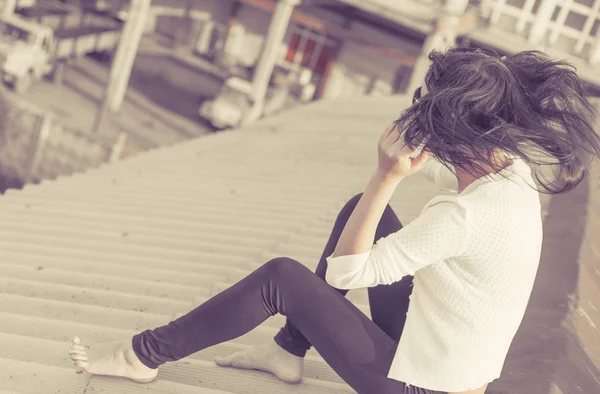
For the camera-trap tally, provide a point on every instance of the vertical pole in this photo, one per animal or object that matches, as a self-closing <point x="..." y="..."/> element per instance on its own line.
<point x="594" y="57"/>
<point x="118" y="147"/>
<point x="122" y="64"/>
<point x="202" y="44"/>
<point x="127" y="50"/>
<point x="42" y="131"/>
<point x="442" y="36"/>
<point x="224" y="55"/>
<point x="268" y="57"/>
<point x="100" y="114"/>
<point x="540" y="23"/>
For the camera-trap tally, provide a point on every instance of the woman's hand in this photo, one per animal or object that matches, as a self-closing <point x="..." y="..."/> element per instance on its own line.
<point x="394" y="161"/>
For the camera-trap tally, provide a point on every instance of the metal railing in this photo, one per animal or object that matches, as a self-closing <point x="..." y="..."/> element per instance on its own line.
<point x="567" y="26"/>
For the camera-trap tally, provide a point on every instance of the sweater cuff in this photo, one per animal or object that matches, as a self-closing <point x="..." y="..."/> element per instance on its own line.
<point x="341" y="269"/>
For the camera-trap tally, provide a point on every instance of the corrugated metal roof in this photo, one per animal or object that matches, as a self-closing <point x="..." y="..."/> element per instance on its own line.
<point x="132" y="245"/>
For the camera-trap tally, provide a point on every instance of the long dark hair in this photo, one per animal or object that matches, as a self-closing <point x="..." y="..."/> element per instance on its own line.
<point x="526" y="105"/>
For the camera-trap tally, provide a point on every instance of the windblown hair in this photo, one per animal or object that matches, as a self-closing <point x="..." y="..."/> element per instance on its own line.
<point x="525" y="105"/>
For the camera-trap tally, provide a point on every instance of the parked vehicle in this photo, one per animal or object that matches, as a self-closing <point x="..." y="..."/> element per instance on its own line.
<point x="227" y="109"/>
<point x="30" y="50"/>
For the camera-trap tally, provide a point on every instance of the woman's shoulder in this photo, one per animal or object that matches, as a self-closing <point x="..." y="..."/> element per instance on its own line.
<point x="487" y="200"/>
<point x="450" y="204"/>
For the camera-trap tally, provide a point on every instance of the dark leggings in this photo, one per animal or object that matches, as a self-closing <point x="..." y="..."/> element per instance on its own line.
<point x="360" y="350"/>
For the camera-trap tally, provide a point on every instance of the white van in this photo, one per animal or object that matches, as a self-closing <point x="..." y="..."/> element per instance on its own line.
<point x="234" y="99"/>
<point x="227" y="109"/>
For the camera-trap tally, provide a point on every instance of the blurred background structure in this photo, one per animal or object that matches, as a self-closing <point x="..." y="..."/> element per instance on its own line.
<point x="195" y="94"/>
<point x="164" y="71"/>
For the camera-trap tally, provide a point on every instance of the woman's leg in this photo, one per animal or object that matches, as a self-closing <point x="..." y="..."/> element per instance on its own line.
<point x="358" y="350"/>
<point x="283" y="357"/>
<point x="389" y="316"/>
<point x="283" y="286"/>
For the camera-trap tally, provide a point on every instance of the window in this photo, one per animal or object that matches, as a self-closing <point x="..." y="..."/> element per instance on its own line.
<point x="309" y="49"/>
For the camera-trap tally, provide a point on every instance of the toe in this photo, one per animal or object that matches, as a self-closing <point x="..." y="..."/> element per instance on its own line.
<point x="83" y="365"/>
<point x="79" y="357"/>
<point x="77" y="340"/>
<point x="244" y="362"/>
<point x="74" y="352"/>
<point x="78" y="348"/>
<point x="224" y="361"/>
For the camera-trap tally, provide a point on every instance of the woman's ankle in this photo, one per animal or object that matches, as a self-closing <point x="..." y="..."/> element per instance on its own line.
<point x="289" y="348"/>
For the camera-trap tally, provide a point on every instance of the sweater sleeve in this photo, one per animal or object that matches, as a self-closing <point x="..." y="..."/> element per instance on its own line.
<point x="437" y="234"/>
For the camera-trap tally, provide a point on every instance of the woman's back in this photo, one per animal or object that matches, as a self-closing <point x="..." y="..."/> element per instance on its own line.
<point x="467" y="308"/>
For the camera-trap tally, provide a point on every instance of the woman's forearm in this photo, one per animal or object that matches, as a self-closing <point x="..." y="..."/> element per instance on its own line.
<point x="359" y="233"/>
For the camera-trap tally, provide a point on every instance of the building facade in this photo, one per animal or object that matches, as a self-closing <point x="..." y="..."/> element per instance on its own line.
<point x="567" y="29"/>
<point x="342" y="51"/>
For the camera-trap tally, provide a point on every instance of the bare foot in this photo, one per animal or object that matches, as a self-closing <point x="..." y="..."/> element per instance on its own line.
<point x="111" y="359"/>
<point x="269" y="357"/>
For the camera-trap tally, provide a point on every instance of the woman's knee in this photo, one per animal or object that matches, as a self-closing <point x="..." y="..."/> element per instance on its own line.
<point x="283" y="267"/>
<point x="388" y="224"/>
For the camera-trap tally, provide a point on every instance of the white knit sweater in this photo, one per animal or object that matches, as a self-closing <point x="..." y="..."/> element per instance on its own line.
<point x="474" y="256"/>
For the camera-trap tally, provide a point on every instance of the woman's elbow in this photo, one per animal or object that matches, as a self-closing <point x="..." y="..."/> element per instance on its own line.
<point x="343" y="283"/>
<point x="333" y="281"/>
